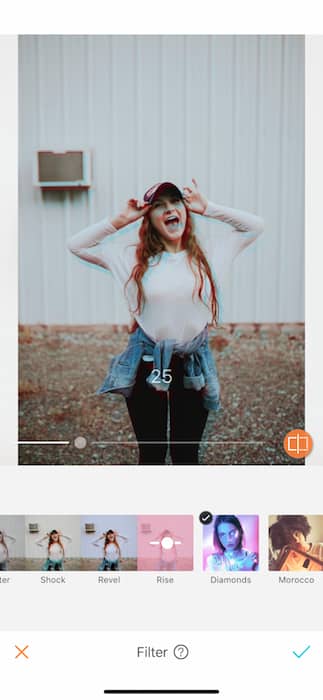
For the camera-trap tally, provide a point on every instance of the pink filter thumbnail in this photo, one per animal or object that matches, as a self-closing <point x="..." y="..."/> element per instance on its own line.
<point x="165" y="543"/>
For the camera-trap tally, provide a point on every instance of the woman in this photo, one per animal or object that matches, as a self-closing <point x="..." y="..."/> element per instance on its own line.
<point x="167" y="543"/>
<point x="55" y="549"/>
<point x="228" y="538"/>
<point x="111" y="550"/>
<point x="4" y="552"/>
<point x="170" y="278"/>
<point x="292" y="531"/>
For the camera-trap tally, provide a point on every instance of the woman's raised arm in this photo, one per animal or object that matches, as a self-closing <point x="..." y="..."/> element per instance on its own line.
<point x="13" y="539"/>
<point x="122" y="537"/>
<point x="96" y="542"/>
<point x="66" y="537"/>
<point x="241" y="221"/>
<point x="87" y="243"/>
<point x="40" y="542"/>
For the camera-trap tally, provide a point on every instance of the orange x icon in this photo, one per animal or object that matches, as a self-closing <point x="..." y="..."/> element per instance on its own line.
<point x="22" y="651"/>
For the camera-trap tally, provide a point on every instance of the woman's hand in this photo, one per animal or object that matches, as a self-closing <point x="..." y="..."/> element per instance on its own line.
<point x="250" y="562"/>
<point x="194" y="199"/>
<point x="134" y="209"/>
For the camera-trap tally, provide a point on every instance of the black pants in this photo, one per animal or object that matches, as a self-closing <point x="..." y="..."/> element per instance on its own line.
<point x="148" y="410"/>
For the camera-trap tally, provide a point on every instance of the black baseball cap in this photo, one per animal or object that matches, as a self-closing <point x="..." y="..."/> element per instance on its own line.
<point x="157" y="189"/>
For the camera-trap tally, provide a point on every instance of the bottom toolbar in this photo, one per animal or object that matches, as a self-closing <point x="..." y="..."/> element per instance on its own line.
<point x="90" y="665"/>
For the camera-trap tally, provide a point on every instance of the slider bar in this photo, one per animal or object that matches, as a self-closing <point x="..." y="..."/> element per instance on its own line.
<point x="161" y="692"/>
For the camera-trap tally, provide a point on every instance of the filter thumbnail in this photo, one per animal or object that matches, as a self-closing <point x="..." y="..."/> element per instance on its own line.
<point x="52" y="543"/>
<point x="12" y="543"/>
<point x="109" y="542"/>
<point x="231" y="543"/>
<point x="165" y="543"/>
<point x="296" y="543"/>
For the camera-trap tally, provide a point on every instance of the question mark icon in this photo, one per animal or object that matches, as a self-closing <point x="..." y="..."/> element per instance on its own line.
<point x="181" y="652"/>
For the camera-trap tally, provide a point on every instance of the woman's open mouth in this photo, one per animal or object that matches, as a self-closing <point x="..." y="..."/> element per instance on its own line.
<point x="172" y="223"/>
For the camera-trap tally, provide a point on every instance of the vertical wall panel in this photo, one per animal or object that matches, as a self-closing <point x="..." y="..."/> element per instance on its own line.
<point x="149" y="112"/>
<point x="31" y="303"/>
<point x="227" y="110"/>
<point x="270" y="173"/>
<point x="291" y="268"/>
<point x="172" y="103"/>
<point x="197" y="109"/>
<point x="221" y="121"/>
<point x="245" y="158"/>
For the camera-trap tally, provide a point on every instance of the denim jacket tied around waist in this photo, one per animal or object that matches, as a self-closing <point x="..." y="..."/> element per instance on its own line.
<point x="200" y="371"/>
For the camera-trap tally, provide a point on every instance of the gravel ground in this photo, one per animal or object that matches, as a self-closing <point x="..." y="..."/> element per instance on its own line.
<point x="126" y="564"/>
<point x="182" y="564"/>
<point x="78" y="564"/>
<point x="261" y="370"/>
<point x="14" y="565"/>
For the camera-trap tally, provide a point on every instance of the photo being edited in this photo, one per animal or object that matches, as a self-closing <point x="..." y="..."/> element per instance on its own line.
<point x="161" y="249"/>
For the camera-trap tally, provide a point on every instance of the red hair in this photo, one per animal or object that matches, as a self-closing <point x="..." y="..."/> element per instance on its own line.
<point x="114" y="541"/>
<point x="51" y="541"/>
<point x="3" y="542"/>
<point x="151" y="244"/>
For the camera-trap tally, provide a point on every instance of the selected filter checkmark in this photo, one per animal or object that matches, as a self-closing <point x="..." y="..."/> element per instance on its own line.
<point x="299" y="656"/>
<point x="205" y="517"/>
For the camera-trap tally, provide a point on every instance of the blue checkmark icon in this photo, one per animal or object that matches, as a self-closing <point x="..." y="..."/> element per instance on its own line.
<point x="299" y="656"/>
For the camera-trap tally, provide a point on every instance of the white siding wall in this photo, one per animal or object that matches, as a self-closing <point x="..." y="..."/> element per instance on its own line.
<point x="227" y="110"/>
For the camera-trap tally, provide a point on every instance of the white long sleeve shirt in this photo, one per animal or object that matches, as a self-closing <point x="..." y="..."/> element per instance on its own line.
<point x="55" y="552"/>
<point x="111" y="552"/>
<point x="172" y="308"/>
<point x="3" y="553"/>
